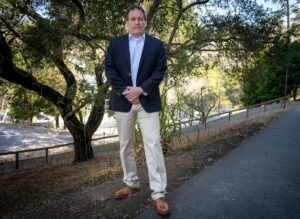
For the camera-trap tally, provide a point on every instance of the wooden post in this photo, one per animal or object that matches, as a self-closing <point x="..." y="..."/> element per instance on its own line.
<point x="17" y="160"/>
<point x="46" y="155"/>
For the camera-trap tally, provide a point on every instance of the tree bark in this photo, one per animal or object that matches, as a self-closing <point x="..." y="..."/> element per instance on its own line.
<point x="82" y="147"/>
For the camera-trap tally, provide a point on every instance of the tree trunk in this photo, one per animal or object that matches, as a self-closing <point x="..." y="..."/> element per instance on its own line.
<point x="82" y="147"/>
<point x="57" y="121"/>
<point x="82" y="136"/>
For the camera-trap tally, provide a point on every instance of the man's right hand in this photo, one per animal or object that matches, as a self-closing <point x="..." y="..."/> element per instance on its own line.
<point x="132" y="94"/>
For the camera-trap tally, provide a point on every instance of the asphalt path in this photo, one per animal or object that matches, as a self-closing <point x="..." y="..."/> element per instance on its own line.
<point x="259" y="179"/>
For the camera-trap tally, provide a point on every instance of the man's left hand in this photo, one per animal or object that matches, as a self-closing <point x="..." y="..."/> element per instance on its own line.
<point x="133" y="93"/>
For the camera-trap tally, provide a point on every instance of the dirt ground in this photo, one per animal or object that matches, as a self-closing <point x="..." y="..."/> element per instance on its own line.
<point x="85" y="190"/>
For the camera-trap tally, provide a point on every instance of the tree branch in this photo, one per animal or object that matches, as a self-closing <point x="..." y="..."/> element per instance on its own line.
<point x="11" y="73"/>
<point x="86" y="38"/>
<point x="44" y="25"/>
<point x="78" y="4"/>
<point x="195" y="3"/>
<point x="10" y="28"/>
<point x="175" y="27"/>
<point x="153" y="9"/>
<point x="180" y="13"/>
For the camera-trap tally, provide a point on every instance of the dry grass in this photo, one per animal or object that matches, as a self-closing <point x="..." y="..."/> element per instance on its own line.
<point x="233" y="129"/>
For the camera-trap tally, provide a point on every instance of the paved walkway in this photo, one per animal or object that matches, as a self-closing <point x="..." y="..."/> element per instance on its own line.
<point x="259" y="179"/>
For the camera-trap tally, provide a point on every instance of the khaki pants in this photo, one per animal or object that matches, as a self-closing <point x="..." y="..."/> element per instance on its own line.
<point x="149" y="123"/>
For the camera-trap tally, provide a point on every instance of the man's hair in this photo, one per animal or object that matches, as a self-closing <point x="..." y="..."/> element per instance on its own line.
<point x="133" y="7"/>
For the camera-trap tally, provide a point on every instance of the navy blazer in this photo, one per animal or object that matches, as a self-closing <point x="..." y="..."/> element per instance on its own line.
<point x="152" y="67"/>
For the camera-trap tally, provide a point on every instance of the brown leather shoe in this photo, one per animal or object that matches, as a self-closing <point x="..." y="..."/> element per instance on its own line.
<point x="161" y="206"/>
<point x="124" y="192"/>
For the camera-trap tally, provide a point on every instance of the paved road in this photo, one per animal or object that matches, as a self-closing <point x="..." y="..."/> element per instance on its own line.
<point x="259" y="179"/>
<point x="15" y="137"/>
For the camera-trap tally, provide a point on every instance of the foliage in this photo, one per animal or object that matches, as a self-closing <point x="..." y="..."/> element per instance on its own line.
<point x="50" y="47"/>
<point x="264" y="75"/>
<point x="25" y="105"/>
<point x="294" y="69"/>
<point x="201" y="102"/>
<point x="197" y="35"/>
<point x="239" y="28"/>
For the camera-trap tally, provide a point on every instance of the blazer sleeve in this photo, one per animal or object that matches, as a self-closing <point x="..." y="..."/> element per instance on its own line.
<point x="118" y="84"/>
<point x="151" y="84"/>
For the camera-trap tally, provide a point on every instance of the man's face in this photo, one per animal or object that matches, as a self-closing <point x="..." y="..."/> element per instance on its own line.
<point x="136" y="23"/>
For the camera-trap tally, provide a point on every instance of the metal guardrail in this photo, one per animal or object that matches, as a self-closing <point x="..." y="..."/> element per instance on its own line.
<point x="46" y="149"/>
<point x="283" y="102"/>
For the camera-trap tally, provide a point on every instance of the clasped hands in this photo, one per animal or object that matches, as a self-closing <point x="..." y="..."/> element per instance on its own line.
<point x="132" y="94"/>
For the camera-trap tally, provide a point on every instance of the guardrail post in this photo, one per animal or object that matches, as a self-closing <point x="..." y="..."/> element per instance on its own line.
<point x="46" y="155"/>
<point x="17" y="160"/>
<point x="284" y="100"/>
<point x="247" y="113"/>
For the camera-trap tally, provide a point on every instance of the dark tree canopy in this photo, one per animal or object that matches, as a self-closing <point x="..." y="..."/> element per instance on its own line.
<point x="49" y="47"/>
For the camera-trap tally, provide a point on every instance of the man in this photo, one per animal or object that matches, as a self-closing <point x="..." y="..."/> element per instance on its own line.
<point x="135" y="65"/>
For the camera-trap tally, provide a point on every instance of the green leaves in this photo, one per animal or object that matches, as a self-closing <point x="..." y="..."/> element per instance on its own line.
<point x="264" y="76"/>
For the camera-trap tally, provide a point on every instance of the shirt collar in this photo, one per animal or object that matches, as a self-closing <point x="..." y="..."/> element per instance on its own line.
<point x="131" y="37"/>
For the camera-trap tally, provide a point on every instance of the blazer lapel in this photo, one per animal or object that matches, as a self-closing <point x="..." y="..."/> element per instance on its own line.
<point x="145" y="51"/>
<point x="126" y="51"/>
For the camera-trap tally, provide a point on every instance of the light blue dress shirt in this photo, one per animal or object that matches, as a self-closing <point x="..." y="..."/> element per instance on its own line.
<point x="136" y="45"/>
